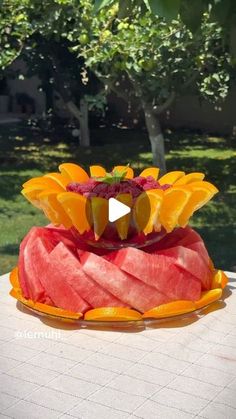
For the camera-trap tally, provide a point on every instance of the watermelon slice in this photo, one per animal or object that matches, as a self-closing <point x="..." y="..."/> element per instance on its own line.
<point x="57" y="268"/>
<point x="30" y="284"/>
<point x="160" y="272"/>
<point x="30" y="271"/>
<point x="128" y="289"/>
<point x="191" y="261"/>
<point x="71" y="272"/>
<point x="25" y="286"/>
<point x="178" y="237"/>
<point x="200" y="248"/>
<point x="52" y="278"/>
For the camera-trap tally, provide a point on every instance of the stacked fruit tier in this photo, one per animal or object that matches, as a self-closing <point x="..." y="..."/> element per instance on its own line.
<point x="56" y="270"/>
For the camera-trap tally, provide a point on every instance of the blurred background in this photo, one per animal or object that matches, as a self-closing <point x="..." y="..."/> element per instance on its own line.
<point x="111" y="82"/>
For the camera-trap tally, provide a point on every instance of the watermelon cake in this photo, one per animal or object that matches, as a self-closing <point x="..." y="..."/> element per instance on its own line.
<point x="147" y="264"/>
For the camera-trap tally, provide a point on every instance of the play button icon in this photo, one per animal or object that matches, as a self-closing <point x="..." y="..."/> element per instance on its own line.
<point x="116" y="209"/>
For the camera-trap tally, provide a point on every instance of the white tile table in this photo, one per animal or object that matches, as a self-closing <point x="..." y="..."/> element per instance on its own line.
<point x="177" y="370"/>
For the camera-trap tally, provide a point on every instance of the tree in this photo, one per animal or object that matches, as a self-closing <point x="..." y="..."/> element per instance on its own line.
<point x="14" y="30"/>
<point x="132" y="51"/>
<point x="38" y="33"/>
<point x="222" y="12"/>
<point x="143" y="56"/>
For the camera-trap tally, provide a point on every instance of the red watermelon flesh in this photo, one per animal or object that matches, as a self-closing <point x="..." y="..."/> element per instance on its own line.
<point x="178" y="237"/>
<point x="159" y="271"/>
<point x="128" y="289"/>
<point x="200" y="248"/>
<point x="29" y="272"/>
<point x="82" y="284"/>
<point x="25" y="286"/>
<point x="30" y="284"/>
<point x="53" y="280"/>
<point x="191" y="261"/>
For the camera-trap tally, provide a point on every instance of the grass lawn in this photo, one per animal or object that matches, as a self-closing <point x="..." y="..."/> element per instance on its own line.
<point x="24" y="154"/>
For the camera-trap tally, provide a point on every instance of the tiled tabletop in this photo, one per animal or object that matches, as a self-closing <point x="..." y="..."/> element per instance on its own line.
<point x="179" y="370"/>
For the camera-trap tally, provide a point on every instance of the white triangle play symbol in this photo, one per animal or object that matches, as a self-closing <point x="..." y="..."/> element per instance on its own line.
<point x="116" y="209"/>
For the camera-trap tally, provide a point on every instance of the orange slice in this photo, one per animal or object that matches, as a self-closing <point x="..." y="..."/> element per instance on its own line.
<point x="71" y="172"/>
<point x="173" y="308"/>
<point x="129" y="171"/>
<point x="110" y="314"/>
<point x="31" y="193"/>
<point x="147" y="209"/>
<point x="122" y="224"/>
<point x="220" y="280"/>
<point x="150" y="171"/>
<point x="58" y="178"/>
<point x="191" y="177"/>
<point x="208" y="297"/>
<point x="99" y="208"/>
<point x="202" y="192"/>
<point x="44" y="308"/>
<point x="174" y="201"/>
<point x="43" y="181"/>
<point x="16" y="294"/>
<point x="170" y="177"/>
<point x="14" y="280"/>
<point x="77" y="208"/>
<point x="53" y="209"/>
<point x="56" y="311"/>
<point x="97" y="171"/>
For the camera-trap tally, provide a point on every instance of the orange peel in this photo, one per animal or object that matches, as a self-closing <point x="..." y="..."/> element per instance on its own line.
<point x="72" y="172"/>
<point x="202" y="192"/>
<point x="175" y="200"/>
<point x="14" y="279"/>
<point x="31" y="194"/>
<point x="44" y="182"/>
<point x="147" y="210"/>
<point x="129" y="171"/>
<point x="219" y="280"/>
<point x="109" y="314"/>
<point x="77" y="207"/>
<point x="122" y="224"/>
<point x="97" y="171"/>
<point x="171" y="177"/>
<point x="150" y="171"/>
<point x="189" y="178"/>
<point x="53" y="209"/>
<point x="58" y="178"/>
<point x="208" y="297"/>
<point x="174" y="308"/>
<point x="16" y="293"/>
<point x="99" y="208"/>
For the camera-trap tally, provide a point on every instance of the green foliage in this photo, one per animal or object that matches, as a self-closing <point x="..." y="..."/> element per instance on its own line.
<point x="141" y="55"/>
<point x="192" y="16"/>
<point x="14" y="29"/>
<point x="191" y="12"/>
<point x="99" y="4"/>
<point x="116" y="176"/>
<point x="165" y="8"/>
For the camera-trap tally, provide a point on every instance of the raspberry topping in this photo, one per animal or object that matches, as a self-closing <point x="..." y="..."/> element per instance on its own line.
<point x="133" y="186"/>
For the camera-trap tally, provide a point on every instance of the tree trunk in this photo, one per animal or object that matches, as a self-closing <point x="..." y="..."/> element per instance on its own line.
<point x="82" y="116"/>
<point x="84" y="126"/>
<point x="156" y="137"/>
